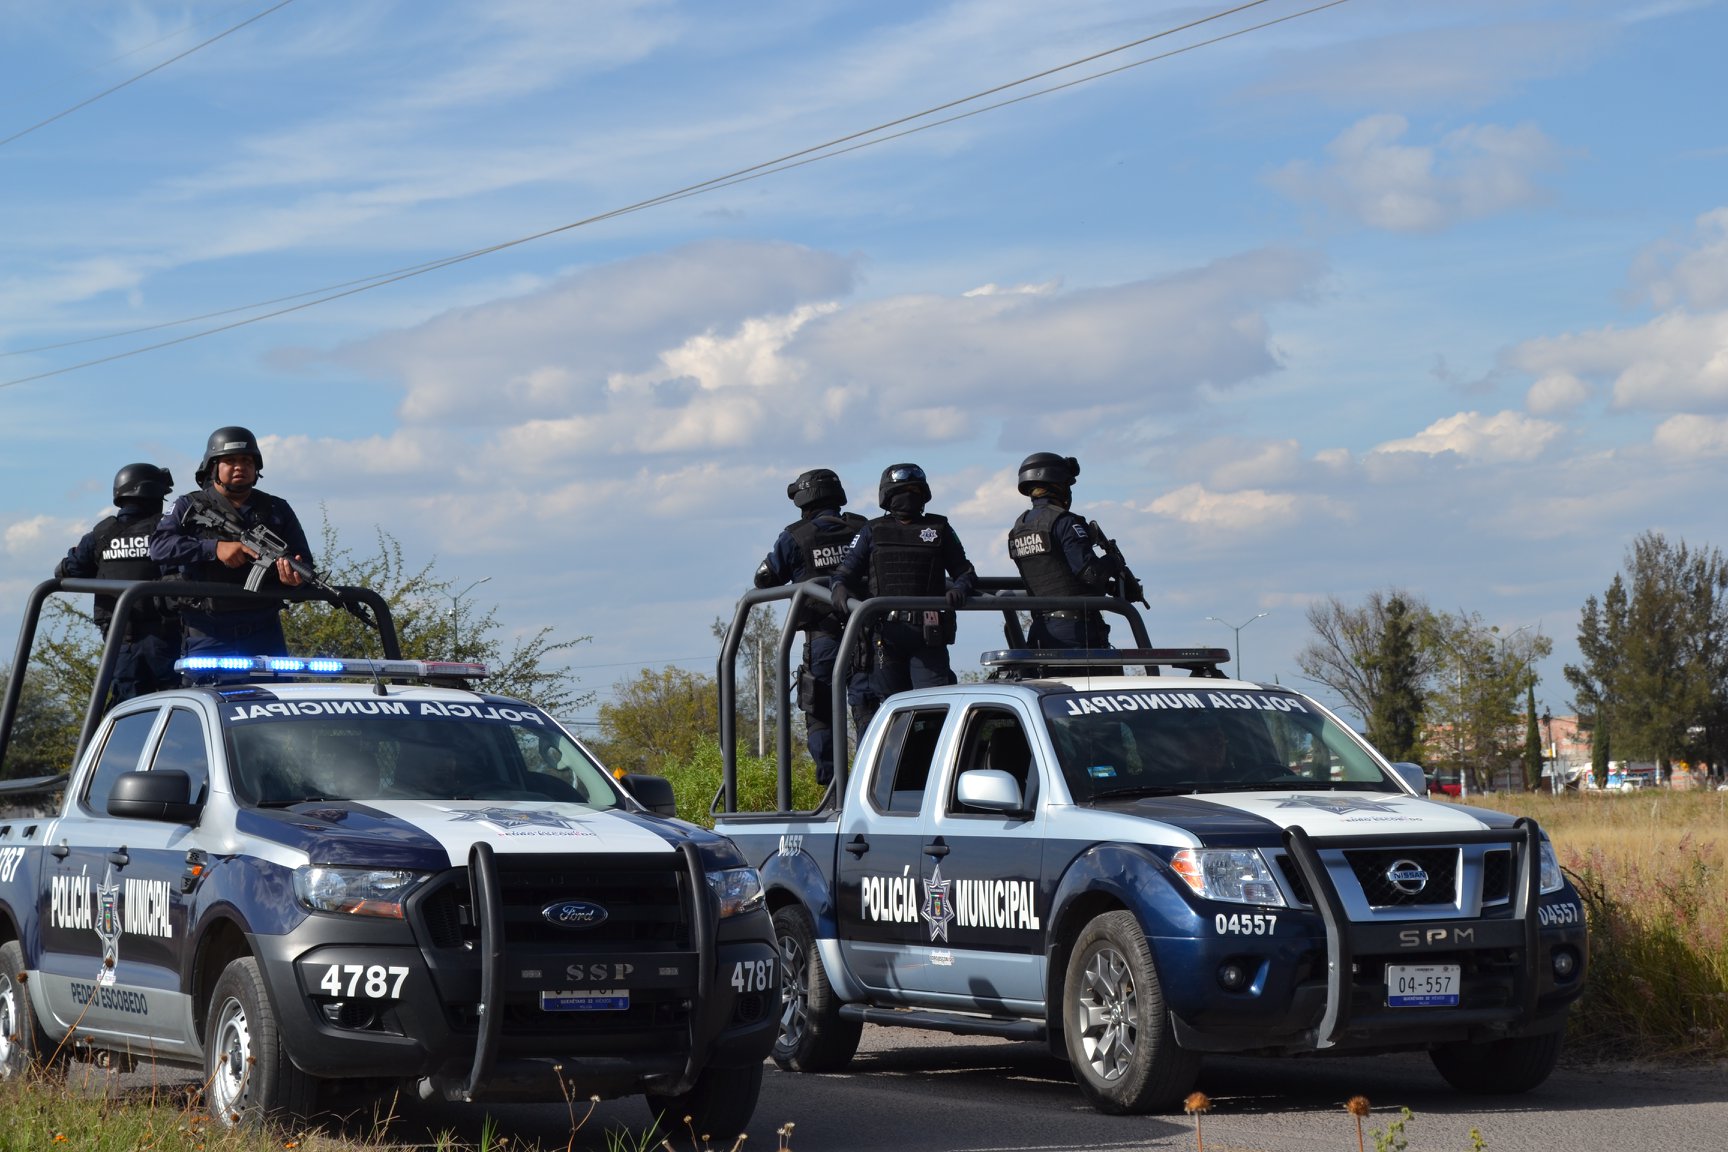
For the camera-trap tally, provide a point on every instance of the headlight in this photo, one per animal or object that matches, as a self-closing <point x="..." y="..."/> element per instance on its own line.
<point x="739" y="890"/>
<point x="355" y="891"/>
<point x="1238" y="875"/>
<point x="1552" y="880"/>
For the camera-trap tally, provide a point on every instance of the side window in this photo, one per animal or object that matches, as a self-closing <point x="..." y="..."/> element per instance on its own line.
<point x="903" y="767"/>
<point x="995" y="739"/>
<point x="182" y="748"/>
<point x="120" y="754"/>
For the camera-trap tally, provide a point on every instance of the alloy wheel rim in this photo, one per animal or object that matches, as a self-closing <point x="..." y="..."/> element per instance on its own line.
<point x="794" y="1001"/>
<point x="11" y="1038"/>
<point x="1106" y="1015"/>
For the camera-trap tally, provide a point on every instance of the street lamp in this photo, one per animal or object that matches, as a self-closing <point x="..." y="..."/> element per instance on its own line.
<point x="455" y="614"/>
<point x="1237" y="629"/>
<point x="1553" y="752"/>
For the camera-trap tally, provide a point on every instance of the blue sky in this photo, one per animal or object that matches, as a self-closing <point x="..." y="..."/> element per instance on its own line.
<point x="1390" y="294"/>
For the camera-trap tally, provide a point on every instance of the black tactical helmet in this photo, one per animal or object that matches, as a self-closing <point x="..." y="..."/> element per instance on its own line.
<point x="1047" y="470"/>
<point x="899" y="477"/>
<point x="229" y="441"/>
<point x="819" y="486"/>
<point x="143" y="482"/>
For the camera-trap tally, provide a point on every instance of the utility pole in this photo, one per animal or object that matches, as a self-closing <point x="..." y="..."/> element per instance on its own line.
<point x="456" y="615"/>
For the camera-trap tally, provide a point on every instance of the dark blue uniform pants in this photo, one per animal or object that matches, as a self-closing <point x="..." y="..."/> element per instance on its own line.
<point x="816" y="699"/>
<point x="904" y="660"/>
<point x="146" y="664"/>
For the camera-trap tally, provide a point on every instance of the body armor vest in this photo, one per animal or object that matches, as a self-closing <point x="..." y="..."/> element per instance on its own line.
<point x="821" y="542"/>
<point x="260" y="509"/>
<point x="906" y="558"/>
<point x="1033" y="547"/>
<point x="123" y="553"/>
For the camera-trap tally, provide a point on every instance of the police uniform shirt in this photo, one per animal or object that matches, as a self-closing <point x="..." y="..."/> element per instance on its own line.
<point x="179" y="547"/>
<point x="1069" y="531"/>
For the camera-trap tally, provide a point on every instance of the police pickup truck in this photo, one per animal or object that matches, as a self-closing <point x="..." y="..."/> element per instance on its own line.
<point x="1141" y="869"/>
<point x="299" y="871"/>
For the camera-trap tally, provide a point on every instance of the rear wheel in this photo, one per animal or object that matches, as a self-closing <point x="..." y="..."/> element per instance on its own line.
<point x="1499" y="1067"/>
<point x="813" y="1036"/>
<point x="248" y="1076"/>
<point x="719" y="1106"/>
<point x="1118" y="1033"/>
<point x="22" y="1041"/>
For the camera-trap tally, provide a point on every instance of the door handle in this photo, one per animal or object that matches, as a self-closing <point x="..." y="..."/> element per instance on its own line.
<point x="938" y="849"/>
<point x="60" y="851"/>
<point x="859" y="846"/>
<point x="119" y="858"/>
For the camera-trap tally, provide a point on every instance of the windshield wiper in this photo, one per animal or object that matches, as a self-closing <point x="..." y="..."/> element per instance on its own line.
<point x="1141" y="790"/>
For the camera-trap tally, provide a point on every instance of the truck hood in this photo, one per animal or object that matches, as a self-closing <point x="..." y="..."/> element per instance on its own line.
<point x="1257" y="818"/>
<point x="436" y="834"/>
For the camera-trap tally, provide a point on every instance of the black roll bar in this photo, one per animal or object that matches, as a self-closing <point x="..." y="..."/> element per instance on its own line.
<point x="127" y="594"/>
<point x="1006" y="595"/>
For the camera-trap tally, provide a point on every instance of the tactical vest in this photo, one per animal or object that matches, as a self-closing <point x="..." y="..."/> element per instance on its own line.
<point x="122" y="546"/>
<point x="906" y="558"/>
<point x="821" y="542"/>
<point x="260" y="508"/>
<point x="1033" y="547"/>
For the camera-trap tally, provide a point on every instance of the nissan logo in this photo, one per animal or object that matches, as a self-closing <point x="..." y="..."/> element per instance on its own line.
<point x="574" y="914"/>
<point x="1407" y="876"/>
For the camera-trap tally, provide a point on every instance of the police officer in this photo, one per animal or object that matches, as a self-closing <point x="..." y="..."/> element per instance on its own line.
<point x="811" y="548"/>
<point x="1056" y="555"/>
<point x="227" y="480"/>
<point x="906" y="553"/>
<point x="118" y="548"/>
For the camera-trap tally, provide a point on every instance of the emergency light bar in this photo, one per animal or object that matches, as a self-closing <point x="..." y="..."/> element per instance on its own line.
<point x="329" y="666"/>
<point x="1105" y="657"/>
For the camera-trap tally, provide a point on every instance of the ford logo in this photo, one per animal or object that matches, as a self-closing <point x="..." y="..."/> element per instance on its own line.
<point x="1407" y="876"/>
<point x="574" y="914"/>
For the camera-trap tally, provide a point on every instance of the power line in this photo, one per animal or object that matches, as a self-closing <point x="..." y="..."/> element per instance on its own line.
<point x="62" y="114"/>
<point x="855" y="141"/>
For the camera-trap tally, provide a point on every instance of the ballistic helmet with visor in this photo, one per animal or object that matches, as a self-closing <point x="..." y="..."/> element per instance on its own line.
<point x="819" y="486"/>
<point x="901" y="478"/>
<point x="145" y="483"/>
<point x="1047" y="470"/>
<point x="231" y="440"/>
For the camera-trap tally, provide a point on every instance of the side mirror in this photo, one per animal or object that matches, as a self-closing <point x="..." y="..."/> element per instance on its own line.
<point x="990" y="790"/>
<point x="164" y="795"/>
<point x="1412" y="775"/>
<point x="653" y="793"/>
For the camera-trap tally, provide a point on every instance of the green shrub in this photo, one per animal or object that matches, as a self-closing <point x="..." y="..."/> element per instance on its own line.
<point x="696" y="782"/>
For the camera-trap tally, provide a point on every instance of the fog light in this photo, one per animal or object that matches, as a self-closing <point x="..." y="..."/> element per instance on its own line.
<point x="1232" y="977"/>
<point x="1565" y="964"/>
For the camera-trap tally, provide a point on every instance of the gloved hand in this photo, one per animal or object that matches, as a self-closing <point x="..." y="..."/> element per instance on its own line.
<point x="842" y="601"/>
<point x="956" y="597"/>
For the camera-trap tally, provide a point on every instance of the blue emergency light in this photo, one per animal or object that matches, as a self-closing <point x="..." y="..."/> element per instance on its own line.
<point x="328" y="666"/>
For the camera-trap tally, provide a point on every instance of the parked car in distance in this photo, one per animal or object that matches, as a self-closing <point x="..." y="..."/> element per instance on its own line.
<point x="1442" y="783"/>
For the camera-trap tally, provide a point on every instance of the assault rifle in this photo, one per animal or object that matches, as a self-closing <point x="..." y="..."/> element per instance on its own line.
<point x="1127" y="585"/>
<point x="267" y="548"/>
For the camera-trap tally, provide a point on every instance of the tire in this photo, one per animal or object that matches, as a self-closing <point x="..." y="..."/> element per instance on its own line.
<point x="1499" y="1067"/>
<point x="23" y="1044"/>
<point x="248" y="1078"/>
<point x="719" y="1106"/>
<point x="1117" y="1031"/>
<point x="813" y="1037"/>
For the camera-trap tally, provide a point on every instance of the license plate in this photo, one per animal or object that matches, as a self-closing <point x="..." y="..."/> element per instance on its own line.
<point x="611" y="1000"/>
<point x="1422" y="985"/>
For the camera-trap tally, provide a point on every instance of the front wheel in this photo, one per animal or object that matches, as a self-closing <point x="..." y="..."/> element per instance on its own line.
<point x="719" y="1105"/>
<point x="813" y="1036"/>
<point x="22" y="1041"/>
<point x="1499" y="1067"/>
<point x="248" y="1076"/>
<point x="1117" y="1030"/>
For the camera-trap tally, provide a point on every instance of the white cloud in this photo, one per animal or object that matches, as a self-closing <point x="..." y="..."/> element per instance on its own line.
<point x="1676" y="362"/>
<point x="1693" y="274"/>
<point x="1501" y="438"/>
<point x="1688" y="435"/>
<point x="1248" y="509"/>
<point x="1376" y="180"/>
<point x="1556" y="394"/>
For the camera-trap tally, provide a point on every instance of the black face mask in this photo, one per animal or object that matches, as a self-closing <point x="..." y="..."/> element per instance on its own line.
<point x="905" y="504"/>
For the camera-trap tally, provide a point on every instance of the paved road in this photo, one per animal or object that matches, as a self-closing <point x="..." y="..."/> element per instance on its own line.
<point x="920" y="1092"/>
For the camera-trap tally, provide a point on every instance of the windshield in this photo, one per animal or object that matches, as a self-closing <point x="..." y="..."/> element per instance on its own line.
<point x="1167" y="742"/>
<point x="286" y="753"/>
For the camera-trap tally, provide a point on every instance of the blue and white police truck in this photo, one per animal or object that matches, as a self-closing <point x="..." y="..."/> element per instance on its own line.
<point x="1142" y="869"/>
<point x="302" y="871"/>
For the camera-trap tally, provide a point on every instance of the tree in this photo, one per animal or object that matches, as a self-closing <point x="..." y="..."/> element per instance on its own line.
<point x="1490" y="672"/>
<point x="1596" y="682"/>
<point x="658" y="718"/>
<point x="1395" y="716"/>
<point x="1532" y="743"/>
<point x="1370" y="655"/>
<point x="758" y="700"/>
<point x="45" y="728"/>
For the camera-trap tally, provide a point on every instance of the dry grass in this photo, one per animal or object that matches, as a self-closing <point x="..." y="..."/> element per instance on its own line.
<point x="1652" y="868"/>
